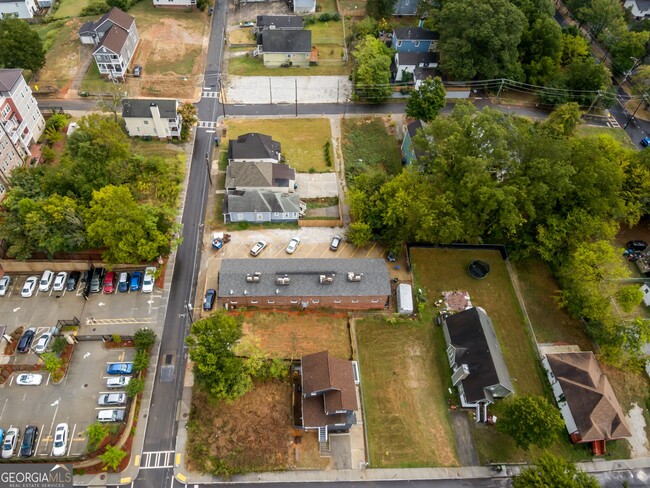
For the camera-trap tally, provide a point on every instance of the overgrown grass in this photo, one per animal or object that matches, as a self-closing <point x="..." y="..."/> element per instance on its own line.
<point x="71" y="8"/>
<point x="619" y="134"/>
<point x="62" y="46"/>
<point x="182" y="65"/>
<point x="250" y="66"/>
<point x="156" y="148"/>
<point x="366" y="143"/>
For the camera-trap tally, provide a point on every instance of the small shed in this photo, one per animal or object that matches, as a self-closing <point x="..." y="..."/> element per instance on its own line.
<point x="645" y="289"/>
<point x="404" y="299"/>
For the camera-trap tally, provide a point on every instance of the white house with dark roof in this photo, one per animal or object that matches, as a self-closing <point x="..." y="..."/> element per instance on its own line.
<point x="254" y="147"/>
<point x="21" y="9"/>
<point x="349" y="284"/>
<point x="258" y="206"/>
<point x="638" y="8"/>
<point x="157" y="117"/>
<point x="406" y="62"/>
<point x="285" y="47"/>
<point x="278" y="22"/>
<point x="116" y="38"/>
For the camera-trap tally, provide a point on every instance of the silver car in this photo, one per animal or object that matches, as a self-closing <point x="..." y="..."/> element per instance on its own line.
<point x="111" y="399"/>
<point x="5" y="281"/>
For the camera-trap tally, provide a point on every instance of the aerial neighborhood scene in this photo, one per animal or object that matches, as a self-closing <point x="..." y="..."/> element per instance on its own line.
<point x="306" y="241"/>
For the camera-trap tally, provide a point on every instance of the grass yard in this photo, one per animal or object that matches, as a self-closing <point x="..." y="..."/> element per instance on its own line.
<point x="367" y="142"/>
<point x="294" y="334"/>
<point x="156" y="148"/>
<point x="328" y="6"/>
<point x="241" y="36"/>
<point x="70" y="8"/>
<point x="326" y="33"/>
<point x="63" y="56"/>
<point x="93" y="81"/>
<point x="250" y="66"/>
<point x="404" y="379"/>
<point x="353" y="7"/>
<point x="618" y="134"/>
<point x="302" y="140"/>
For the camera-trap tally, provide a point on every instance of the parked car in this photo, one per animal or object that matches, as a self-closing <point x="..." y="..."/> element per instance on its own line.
<point x="73" y="279"/>
<point x="123" y="282"/>
<point x="30" y="437"/>
<point x="117" y="382"/>
<point x="637" y="245"/>
<point x="84" y="276"/>
<point x="109" y="282"/>
<point x="120" y="368"/>
<point x="111" y="399"/>
<point x="293" y="245"/>
<point x="29" y="287"/>
<point x="136" y="281"/>
<point x="645" y="142"/>
<point x="5" y="281"/>
<point x="258" y="248"/>
<point x="248" y="23"/>
<point x="111" y="415"/>
<point x="96" y="280"/>
<point x="60" y="440"/>
<point x="29" y="379"/>
<point x="42" y="343"/>
<point x="25" y="340"/>
<point x="46" y="281"/>
<point x="2" y="435"/>
<point x="336" y="242"/>
<point x="208" y="301"/>
<point x="10" y="442"/>
<point x="59" y="281"/>
<point x="137" y="71"/>
<point x="149" y="279"/>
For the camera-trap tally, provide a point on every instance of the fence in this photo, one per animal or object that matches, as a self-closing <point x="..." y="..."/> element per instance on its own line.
<point x="320" y="223"/>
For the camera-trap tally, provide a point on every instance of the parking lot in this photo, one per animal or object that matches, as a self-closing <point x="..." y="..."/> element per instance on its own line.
<point x="74" y="401"/>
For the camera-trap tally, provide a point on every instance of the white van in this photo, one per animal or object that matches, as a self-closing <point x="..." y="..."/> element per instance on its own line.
<point x="112" y="415"/>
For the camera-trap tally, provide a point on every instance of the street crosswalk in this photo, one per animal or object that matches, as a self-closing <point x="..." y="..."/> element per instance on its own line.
<point x="204" y="124"/>
<point x="157" y="460"/>
<point x="114" y="321"/>
<point x="210" y="94"/>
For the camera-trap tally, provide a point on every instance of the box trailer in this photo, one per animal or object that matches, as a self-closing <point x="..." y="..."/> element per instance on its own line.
<point x="404" y="299"/>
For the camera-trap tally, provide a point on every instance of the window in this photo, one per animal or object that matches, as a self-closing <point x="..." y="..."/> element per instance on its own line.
<point x="374" y="300"/>
<point x="315" y="301"/>
<point x="337" y="301"/>
<point x="259" y="216"/>
<point x="233" y="302"/>
<point x="254" y="302"/>
<point x="355" y="301"/>
<point x="270" y="302"/>
<point x="240" y="216"/>
<point x="6" y="110"/>
<point x="399" y="43"/>
<point x="145" y="122"/>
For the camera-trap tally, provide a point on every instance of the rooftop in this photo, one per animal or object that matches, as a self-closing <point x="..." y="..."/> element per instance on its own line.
<point x="286" y="41"/>
<point x="253" y="146"/>
<point x="260" y="201"/>
<point x="9" y="78"/>
<point x="242" y="174"/>
<point x="141" y="107"/>
<point x="279" y="21"/>
<point x="415" y="34"/>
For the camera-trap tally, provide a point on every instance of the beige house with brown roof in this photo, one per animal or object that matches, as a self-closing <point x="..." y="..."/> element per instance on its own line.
<point x="586" y="400"/>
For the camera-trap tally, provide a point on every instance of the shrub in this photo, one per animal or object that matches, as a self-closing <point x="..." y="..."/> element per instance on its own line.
<point x="325" y="17"/>
<point x="336" y="16"/>
<point x="327" y="150"/>
<point x="135" y="387"/>
<point x="96" y="7"/>
<point x="96" y="433"/>
<point x="144" y="339"/>
<point x="48" y="154"/>
<point x="116" y="338"/>
<point x="141" y="361"/>
<point x="112" y="458"/>
<point x="308" y="20"/>
<point x="58" y="345"/>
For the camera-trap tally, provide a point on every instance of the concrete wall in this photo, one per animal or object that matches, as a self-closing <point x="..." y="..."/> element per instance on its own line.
<point x="345" y="303"/>
<point x="275" y="60"/>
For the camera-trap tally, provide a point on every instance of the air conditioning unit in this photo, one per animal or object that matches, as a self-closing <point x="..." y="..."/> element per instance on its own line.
<point x="253" y="278"/>
<point x="354" y="277"/>
<point x="325" y="279"/>
<point x="282" y="280"/>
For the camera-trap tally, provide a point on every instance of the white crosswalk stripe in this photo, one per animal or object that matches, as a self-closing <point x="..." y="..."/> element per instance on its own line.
<point x="157" y="460"/>
<point x="204" y="124"/>
<point x="210" y="94"/>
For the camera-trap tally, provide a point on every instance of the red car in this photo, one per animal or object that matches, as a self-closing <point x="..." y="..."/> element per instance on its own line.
<point x="109" y="282"/>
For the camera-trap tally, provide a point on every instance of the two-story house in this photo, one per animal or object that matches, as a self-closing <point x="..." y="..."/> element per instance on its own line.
<point x="116" y="38"/>
<point x="21" y="9"/>
<point x="152" y="118"/>
<point x="414" y="40"/>
<point x="405" y="64"/>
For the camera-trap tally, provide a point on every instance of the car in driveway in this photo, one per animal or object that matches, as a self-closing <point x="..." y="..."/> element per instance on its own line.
<point x="117" y="382"/>
<point x="111" y="415"/>
<point x="149" y="279"/>
<point x="29" y="379"/>
<point x="109" y="282"/>
<point x="5" y="281"/>
<point x="30" y="436"/>
<point x="208" y="301"/>
<point x="42" y="343"/>
<point x="25" y="340"/>
<point x="73" y="280"/>
<point x="96" y="280"/>
<point x="59" y="281"/>
<point x="136" y="281"/>
<point x="137" y="71"/>
<point x="29" y="287"/>
<point x="10" y="442"/>
<point x="60" y="445"/>
<point x="293" y="245"/>
<point x="336" y="242"/>
<point x="123" y="282"/>
<point x="645" y="142"/>
<point x="258" y="247"/>
<point x="636" y="245"/>
<point x="111" y="399"/>
<point x="46" y="281"/>
<point x="119" y="368"/>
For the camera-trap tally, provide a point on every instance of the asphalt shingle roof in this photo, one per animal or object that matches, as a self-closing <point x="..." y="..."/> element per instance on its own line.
<point x="415" y="34"/>
<point x="242" y="174"/>
<point x="286" y="41"/>
<point x="141" y="107"/>
<point x="253" y="146"/>
<point x="8" y="78"/>
<point x="279" y="21"/>
<point x="260" y="201"/>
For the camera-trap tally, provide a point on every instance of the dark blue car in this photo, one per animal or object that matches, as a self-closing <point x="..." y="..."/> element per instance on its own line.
<point x="136" y="280"/>
<point x="645" y="142"/>
<point x="120" y="368"/>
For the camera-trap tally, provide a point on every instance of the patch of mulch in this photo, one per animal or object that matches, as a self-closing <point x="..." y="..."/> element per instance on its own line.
<point x="160" y="281"/>
<point x="118" y="345"/>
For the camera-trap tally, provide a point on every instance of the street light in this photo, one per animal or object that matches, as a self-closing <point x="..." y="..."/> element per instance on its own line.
<point x="188" y="309"/>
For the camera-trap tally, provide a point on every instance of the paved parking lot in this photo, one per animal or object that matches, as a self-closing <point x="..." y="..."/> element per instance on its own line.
<point x="317" y="185"/>
<point x="73" y="401"/>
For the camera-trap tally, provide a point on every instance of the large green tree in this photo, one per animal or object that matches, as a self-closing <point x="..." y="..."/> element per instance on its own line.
<point x="541" y="50"/>
<point x="599" y="14"/>
<point x="486" y="49"/>
<point x="531" y="421"/>
<point x="20" y="46"/>
<point x="551" y="472"/>
<point x="427" y="101"/>
<point x="371" y="74"/>
<point x="380" y="9"/>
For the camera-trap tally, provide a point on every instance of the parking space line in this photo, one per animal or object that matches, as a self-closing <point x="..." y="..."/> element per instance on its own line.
<point x="373" y="246"/>
<point x="40" y="436"/>
<point x="71" y="438"/>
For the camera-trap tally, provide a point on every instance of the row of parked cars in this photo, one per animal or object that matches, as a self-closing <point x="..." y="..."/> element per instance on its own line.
<point x="293" y="244"/>
<point x="26" y="340"/>
<point x="11" y="438"/>
<point x="120" y="377"/>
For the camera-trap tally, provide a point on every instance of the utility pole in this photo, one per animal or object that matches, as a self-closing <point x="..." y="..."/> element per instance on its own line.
<point x="594" y="102"/>
<point x="641" y="102"/>
<point x="222" y="96"/>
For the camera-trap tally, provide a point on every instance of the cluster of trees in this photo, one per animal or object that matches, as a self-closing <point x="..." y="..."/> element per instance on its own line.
<point x="371" y="73"/>
<point x="20" y="46"/>
<point x="225" y="363"/>
<point x="484" y="176"/>
<point x="551" y="470"/>
<point x="98" y="7"/>
<point x="100" y="195"/>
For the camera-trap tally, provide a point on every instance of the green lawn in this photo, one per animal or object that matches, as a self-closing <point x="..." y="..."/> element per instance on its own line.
<point x="61" y="42"/>
<point x="302" y="140"/>
<point x="250" y="66"/>
<point x="70" y="8"/>
<point x="328" y="6"/>
<point x="93" y="82"/>
<point x="618" y="134"/>
<point x="366" y="142"/>
<point x="404" y="379"/>
<point x="326" y="33"/>
<point x="156" y="148"/>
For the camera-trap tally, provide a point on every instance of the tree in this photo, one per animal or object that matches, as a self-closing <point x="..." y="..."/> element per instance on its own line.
<point x="112" y="458"/>
<point x="121" y="4"/>
<point x="641" y="79"/>
<point x="140" y="361"/>
<point x="51" y="362"/>
<point x="484" y="50"/>
<point x="365" y="27"/>
<point x="188" y="113"/>
<point x="552" y="471"/>
<point x="562" y="122"/>
<point x="380" y="9"/>
<point x="541" y="49"/>
<point x="587" y="76"/>
<point x="216" y="367"/>
<point x="599" y="14"/>
<point x="58" y="345"/>
<point x="134" y="387"/>
<point x="371" y="74"/>
<point x="629" y="297"/>
<point x="531" y="421"/>
<point x="96" y="433"/>
<point x="111" y="101"/>
<point x="20" y="46"/>
<point x="144" y="339"/>
<point x="359" y="233"/>
<point x="574" y="47"/>
<point x="426" y="102"/>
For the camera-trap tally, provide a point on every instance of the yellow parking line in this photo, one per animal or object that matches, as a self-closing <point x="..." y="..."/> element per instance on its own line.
<point x="136" y="460"/>
<point x="177" y="463"/>
<point x="373" y="246"/>
<point x="354" y="252"/>
<point x="124" y="481"/>
<point x="313" y="247"/>
<point x="122" y="356"/>
<point x="181" y="477"/>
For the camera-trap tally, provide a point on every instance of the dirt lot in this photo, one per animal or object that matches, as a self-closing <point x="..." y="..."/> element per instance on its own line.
<point x="253" y="433"/>
<point x="294" y="334"/>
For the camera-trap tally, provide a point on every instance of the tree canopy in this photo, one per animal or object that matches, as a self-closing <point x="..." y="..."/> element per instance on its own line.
<point x="371" y="74"/>
<point x="20" y="46"/>
<point x="550" y="472"/>
<point x="380" y="9"/>
<point x="426" y="102"/>
<point x="531" y="421"/>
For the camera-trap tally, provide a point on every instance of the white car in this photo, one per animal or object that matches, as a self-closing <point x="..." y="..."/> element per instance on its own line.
<point x="29" y="287"/>
<point x="118" y="382"/>
<point x="42" y="343"/>
<point x="149" y="279"/>
<point x="5" y="281"/>
<point x="111" y="399"/>
<point x="46" y="280"/>
<point x="293" y="245"/>
<point x="29" y="379"/>
<point x="60" y="440"/>
<point x="10" y="443"/>
<point x="59" y="281"/>
<point x="258" y="248"/>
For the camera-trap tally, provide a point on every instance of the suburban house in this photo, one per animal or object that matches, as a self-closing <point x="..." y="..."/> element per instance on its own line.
<point x="327" y="398"/>
<point x="638" y="8"/>
<point x="303" y="6"/>
<point x="284" y="48"/>
<point x="21" y="9"/>
<point x="349" y="284"/>
<point x="152" y="117"/>
<point x="255" y="175"/>
<point x="174" y="3"/>
<point x="408" y="62"/>
<point x="254" y="147"/>
<point x="585" y="398"/>
<point x="259" y="206"/>
<point x="21" y="122"/>
<point x="278" y="22"/>
<point x="406" y="7"/>
<point x="409" y="154"/>
<point x="116" y="38"/>
<point x="414" y="40"/>
<point x="478" y="368"/>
